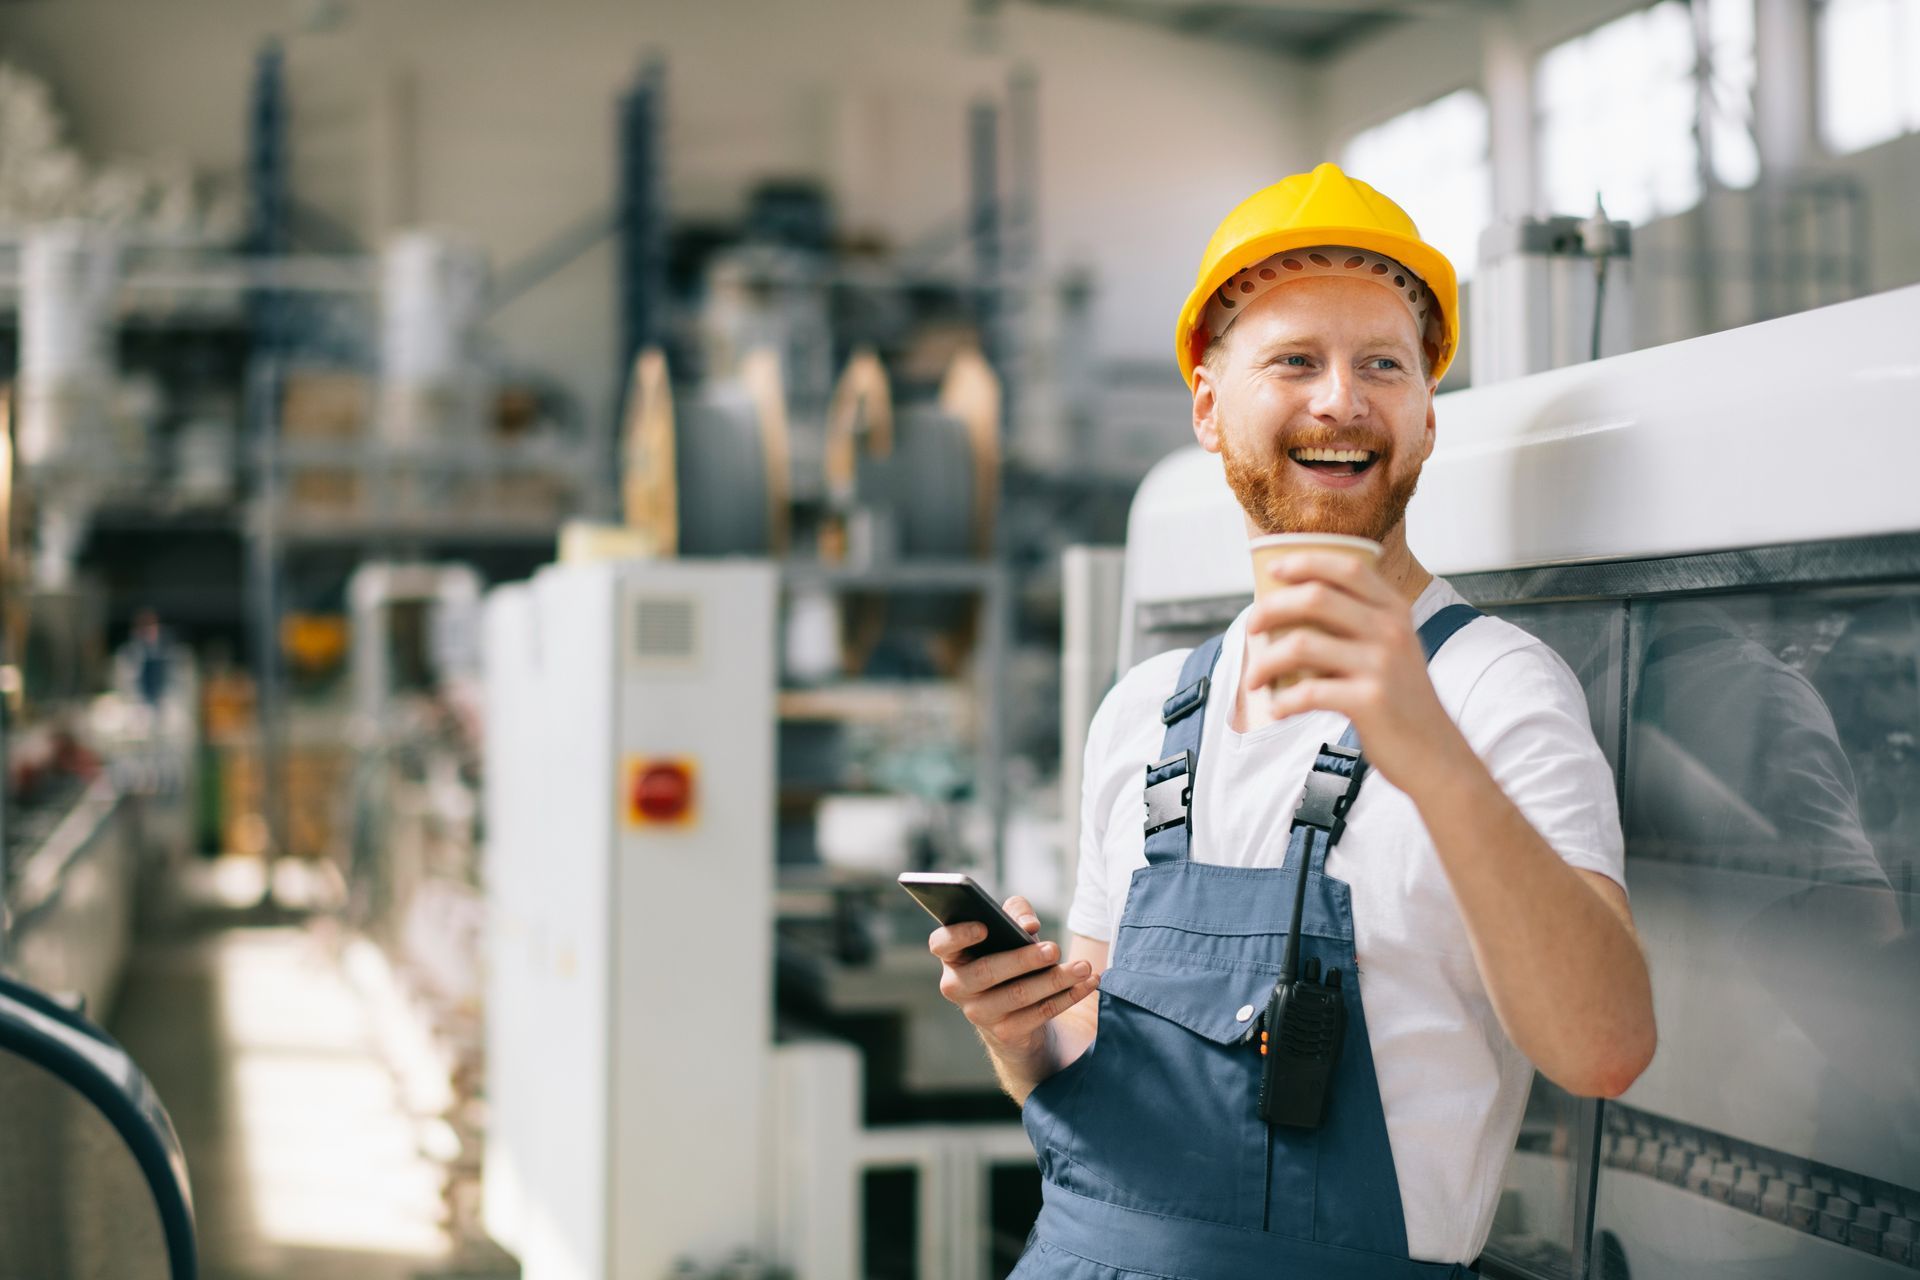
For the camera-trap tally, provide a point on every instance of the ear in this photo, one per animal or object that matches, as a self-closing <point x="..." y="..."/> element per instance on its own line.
<point x="1206" y="409"/>
<point x="1428" y="436"/>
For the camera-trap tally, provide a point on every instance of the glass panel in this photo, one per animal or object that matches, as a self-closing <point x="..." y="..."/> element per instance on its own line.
<point x="1590" y="636"/>
<point x="1539" y="1227"/>
<point x="1772" y="816"/>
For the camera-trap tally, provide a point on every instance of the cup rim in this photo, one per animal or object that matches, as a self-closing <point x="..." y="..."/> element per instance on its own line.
<point x="1316" y="539"/>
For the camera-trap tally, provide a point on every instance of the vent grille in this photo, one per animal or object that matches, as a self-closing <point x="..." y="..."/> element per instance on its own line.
<point x="666" y="630"/>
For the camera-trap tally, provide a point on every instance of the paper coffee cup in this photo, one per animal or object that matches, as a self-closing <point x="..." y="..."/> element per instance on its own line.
<point x="1266" y="550"/>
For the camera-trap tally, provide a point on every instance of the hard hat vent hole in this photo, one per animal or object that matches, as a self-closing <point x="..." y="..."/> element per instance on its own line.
<point x="1319" y="260"/>
<point x="1399" y="280"/>
<point x="1293" y="264"/>
<point x="1226" y="302"/>
<point x="1246" y="286"/>
<point x="1379" y="268"/>
<point x="1266" y="273"/>
<point x="1353" y="262"/>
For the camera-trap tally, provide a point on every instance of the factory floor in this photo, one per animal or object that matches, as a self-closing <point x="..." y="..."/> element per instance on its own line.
<point x="303" y="1164"/>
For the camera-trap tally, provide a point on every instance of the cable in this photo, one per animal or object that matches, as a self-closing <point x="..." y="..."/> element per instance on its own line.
<point x="1290" y="957"/>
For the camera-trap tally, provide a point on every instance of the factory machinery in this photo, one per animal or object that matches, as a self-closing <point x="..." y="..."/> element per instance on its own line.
<point x="839" y="417"/>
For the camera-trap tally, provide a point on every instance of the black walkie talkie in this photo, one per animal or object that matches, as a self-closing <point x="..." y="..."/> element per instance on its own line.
<point x="1306" y="1018"/>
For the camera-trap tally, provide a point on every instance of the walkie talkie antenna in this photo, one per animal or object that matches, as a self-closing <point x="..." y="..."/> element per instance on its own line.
<point x="1291" y="956"/>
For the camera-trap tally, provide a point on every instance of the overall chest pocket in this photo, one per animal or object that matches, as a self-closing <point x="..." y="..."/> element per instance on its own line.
<point x="1164" y="1113"/>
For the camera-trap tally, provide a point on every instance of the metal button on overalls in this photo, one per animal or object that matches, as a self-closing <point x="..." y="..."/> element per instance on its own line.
<point x="1154" y="1158"/>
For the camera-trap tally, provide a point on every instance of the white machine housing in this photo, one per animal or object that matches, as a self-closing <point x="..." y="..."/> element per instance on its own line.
<point x="629" y="999"/>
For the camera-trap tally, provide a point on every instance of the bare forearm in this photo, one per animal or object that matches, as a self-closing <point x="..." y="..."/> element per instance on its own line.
<point x="1067" y="1037"/>
<point x="1561" y="964"/>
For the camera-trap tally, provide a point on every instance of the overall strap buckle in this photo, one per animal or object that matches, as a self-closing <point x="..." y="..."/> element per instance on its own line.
<point x="1330" y="793"/>
<point x="1185" y="702"/>
<point x="1170" y="793"/>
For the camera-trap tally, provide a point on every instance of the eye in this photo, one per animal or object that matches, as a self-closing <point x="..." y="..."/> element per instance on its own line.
<point x="1383" y="363"/>
<point x="1294" y="361"/>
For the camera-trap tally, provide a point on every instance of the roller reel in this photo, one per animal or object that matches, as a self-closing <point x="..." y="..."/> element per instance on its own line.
<point x="709" y="474"/>
<point x="918" y="481"/>
<point x="914" y="482"/>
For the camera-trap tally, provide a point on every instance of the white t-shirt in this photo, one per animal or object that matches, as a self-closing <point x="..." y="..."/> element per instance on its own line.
<point x="1452" y="1084"/>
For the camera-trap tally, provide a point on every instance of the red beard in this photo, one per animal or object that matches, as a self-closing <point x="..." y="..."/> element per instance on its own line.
<point x="1280" y="501"/>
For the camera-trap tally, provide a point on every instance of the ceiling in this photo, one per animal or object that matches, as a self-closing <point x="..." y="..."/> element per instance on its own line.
<point x="1303" y="28"/>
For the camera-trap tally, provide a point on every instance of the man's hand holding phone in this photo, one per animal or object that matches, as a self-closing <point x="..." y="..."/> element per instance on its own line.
<point x="1011" y="996"/>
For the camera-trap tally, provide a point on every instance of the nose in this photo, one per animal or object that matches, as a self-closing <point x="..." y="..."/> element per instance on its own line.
<point x="1336" y="398"/>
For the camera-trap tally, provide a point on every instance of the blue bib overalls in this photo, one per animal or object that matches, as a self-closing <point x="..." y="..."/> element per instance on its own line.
<point x="1154" y="1159"/>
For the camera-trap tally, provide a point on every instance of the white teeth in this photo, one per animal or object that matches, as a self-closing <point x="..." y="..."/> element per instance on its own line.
<point x="1331" y="455"/>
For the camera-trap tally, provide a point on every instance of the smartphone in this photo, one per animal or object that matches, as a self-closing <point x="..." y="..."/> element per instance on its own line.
<point x="951" y="899"/>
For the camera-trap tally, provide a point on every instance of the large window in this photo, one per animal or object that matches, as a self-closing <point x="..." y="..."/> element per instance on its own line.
<point x="1432" y="162"/>
<point x="1618" y="106"/>
<point x="1869" y="72"/>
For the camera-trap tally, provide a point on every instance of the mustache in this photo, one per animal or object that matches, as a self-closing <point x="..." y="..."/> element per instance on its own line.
<point x="1373" y="443"/>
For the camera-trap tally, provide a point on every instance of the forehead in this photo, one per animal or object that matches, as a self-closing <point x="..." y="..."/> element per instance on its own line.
<point x="1331" y="308"/>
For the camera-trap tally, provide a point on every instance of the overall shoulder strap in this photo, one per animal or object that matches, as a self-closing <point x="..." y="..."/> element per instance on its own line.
<point x="1169" y="789"/>
<point x="1439" y="629"/>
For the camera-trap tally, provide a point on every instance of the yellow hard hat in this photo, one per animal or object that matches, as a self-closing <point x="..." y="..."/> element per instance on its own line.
<point x="1308" y="209"/>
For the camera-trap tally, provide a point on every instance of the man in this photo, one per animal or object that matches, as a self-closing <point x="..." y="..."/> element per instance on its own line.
<point x="1469" y="894"/>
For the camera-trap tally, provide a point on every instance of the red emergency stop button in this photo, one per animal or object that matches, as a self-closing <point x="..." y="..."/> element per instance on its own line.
<point x="660" y="792"/>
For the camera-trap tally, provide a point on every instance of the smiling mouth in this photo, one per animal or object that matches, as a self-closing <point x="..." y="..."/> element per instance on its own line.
<point x="1335" y="462"/>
